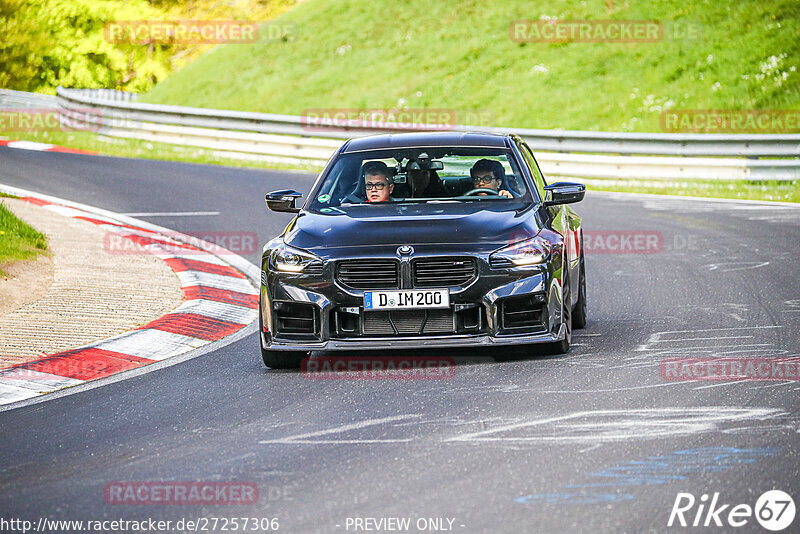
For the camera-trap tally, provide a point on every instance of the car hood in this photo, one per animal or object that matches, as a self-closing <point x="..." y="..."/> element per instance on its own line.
<point x="475" y="231"/>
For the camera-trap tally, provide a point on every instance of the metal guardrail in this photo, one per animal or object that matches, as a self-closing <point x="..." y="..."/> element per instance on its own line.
<point x="560" y="153"/>
<point x="21" y="99"/>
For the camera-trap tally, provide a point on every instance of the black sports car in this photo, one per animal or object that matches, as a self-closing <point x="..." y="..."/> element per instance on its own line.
<point x="424" y="240"/>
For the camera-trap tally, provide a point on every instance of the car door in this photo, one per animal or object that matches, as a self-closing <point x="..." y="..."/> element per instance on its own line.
<point x="564" y="219"/>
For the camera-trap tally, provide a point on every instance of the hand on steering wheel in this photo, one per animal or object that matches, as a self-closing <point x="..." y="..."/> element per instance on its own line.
<point x="478" y="191"/>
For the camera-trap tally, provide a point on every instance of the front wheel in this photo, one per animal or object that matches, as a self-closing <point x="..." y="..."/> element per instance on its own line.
<point x="561" y="347"/>
<point x="579" y="315"/>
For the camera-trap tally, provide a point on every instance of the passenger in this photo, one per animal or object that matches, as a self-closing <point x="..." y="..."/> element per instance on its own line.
<point x="489" y="174"/>
<point x="425" y="184"/>
<point x="378" y="181"/>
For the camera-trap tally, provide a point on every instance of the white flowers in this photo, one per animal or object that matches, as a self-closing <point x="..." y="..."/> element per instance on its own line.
<point x="771" y="70"/>
<point x="716" y="87"/>
<point x="342" y="50"/>
<point x="539" y="68"/>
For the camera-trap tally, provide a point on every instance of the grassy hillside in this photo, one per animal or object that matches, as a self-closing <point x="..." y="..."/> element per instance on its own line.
<point x="459" y="56"/>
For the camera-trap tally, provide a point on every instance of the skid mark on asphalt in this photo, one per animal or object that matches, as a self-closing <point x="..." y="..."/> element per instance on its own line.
<point x="745" y="341"/>
<point x="732" y="310"/>
<point x="730" y="266"/>
<point x="586" y="427"/>
<point x="705" y="335"/>
<point x="792" y="306"/>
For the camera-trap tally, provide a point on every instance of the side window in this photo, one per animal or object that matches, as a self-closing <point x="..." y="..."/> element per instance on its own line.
<point x="537" y="174"/>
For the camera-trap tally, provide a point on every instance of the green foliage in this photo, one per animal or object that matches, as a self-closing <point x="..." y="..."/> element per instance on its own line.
<point x="46" y="43"/>
<point x="61" y="42"/>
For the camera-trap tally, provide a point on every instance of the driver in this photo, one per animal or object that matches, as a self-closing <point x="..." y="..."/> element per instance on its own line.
<point x="378" y="182"/>
<point x="489" y="174"/>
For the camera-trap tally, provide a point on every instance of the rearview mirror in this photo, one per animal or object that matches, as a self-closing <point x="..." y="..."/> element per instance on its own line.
<point x="563" y="193"/>
<point x="283" y="200"/>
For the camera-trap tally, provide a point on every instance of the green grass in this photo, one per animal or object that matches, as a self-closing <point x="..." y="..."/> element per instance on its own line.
<point x="783" y="191"/>
<point x="18" y="239"/>
<point x="459" y="56"/>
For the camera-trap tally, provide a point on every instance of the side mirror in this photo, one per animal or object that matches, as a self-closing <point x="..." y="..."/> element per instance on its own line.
<point x="283" y="200"/>
<point x="563" y="193"/>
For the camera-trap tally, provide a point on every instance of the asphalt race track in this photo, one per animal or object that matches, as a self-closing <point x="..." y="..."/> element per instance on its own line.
<point x="594" y="440"/>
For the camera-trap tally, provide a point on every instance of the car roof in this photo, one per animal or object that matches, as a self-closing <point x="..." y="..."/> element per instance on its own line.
<point x="422" y="139"/>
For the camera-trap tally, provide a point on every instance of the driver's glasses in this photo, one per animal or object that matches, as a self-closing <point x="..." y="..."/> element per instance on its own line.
<point x="477" y="180"/>
<point x="376" y="185"/>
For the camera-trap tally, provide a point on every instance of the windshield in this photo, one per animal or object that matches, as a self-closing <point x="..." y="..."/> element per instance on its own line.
<point x="427" y="175"/>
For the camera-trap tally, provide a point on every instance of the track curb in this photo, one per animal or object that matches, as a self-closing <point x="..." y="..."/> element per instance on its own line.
<point x="219" y="307"/>
<point x="44" y="147"/>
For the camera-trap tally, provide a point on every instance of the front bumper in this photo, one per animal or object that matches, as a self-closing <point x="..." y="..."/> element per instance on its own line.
<point x="488" y="296"/>
<point x="382" y="343"/>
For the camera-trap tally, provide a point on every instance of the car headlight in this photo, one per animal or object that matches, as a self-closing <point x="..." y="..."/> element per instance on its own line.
<point x="286" y="259"/>
<point x="533" y="251"/>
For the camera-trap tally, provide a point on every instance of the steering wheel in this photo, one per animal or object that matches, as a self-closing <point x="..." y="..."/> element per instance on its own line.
<point x="478" y="191"/>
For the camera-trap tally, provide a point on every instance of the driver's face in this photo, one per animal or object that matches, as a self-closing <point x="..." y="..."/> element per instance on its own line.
<point x="487" y="180"/>
<point x="378" y="188"/>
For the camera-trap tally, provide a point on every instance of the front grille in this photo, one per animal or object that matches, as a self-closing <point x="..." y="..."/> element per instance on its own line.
<point x="443" y="272"/>
<point x="408" y="322"/>
<point x="368" y="274"/>
<point x="313" y="269"/>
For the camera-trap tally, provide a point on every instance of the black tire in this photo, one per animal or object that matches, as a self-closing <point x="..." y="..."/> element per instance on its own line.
<point x="275" y="359"/>
<point x="579" y="313"/>
<point x="562" y="347"/>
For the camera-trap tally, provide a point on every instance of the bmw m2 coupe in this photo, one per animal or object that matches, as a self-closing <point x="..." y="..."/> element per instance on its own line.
<point x="444" y="239"/>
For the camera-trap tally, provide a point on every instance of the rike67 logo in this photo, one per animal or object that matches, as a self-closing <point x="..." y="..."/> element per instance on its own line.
<point x="774" y="510"/>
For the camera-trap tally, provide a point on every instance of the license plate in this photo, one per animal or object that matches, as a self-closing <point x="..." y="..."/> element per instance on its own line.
<point x="403" y="300"/>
